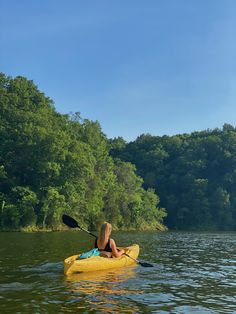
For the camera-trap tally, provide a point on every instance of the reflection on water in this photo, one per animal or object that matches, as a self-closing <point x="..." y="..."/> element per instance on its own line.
<point x="192" y="273"/>
<point x="102" y="290"/>
<point x="112" y="276"/>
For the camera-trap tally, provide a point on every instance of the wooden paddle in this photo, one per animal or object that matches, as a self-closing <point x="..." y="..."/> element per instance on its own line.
<point x="72" y="223"/>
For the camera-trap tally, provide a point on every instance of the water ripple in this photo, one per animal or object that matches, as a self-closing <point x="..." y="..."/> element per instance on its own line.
<point x="192" y="273"/>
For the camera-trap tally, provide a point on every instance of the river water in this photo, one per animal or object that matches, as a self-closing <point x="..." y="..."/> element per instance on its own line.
<point x="192" y="273"/>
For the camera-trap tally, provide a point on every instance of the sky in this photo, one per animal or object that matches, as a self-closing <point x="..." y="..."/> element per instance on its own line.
<point x="136" y="66"/>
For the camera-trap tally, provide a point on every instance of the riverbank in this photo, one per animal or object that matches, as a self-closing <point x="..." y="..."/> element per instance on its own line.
<point x="159" y="227"/>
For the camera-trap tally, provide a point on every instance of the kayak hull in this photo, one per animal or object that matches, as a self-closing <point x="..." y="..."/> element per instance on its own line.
<point x="97" y="263"/>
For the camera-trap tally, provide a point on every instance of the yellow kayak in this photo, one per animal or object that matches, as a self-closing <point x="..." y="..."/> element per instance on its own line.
<point x="95" y="263"/>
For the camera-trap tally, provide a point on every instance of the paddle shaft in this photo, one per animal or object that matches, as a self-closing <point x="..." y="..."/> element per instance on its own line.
<point x="87" y="232"/>
<point x="134" y="259"/>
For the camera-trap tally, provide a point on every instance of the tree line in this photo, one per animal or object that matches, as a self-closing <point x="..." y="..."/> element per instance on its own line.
<point x="52" y="163"/>
<point x="194" y="175"/>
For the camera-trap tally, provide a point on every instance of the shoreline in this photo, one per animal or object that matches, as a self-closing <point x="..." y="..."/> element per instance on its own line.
<point x="159" y="228"/>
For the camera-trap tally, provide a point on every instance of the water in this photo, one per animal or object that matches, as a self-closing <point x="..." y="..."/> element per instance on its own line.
<point x="192" y="273"/>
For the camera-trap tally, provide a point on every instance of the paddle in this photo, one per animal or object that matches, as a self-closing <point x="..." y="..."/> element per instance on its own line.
<point x="72" y="223"/>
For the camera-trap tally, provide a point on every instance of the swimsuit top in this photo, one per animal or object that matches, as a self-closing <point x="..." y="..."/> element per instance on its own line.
<point x="107" y="247"/>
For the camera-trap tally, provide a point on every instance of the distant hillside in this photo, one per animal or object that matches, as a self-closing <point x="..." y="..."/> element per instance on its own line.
<point x="194" y="175"/>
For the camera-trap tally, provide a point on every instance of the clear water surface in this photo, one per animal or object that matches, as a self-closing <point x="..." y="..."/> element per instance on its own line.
<point x="192" y="273"/>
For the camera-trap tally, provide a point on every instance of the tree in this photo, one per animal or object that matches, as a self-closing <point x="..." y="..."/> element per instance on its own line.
<point x="51" y="163"/>
<point x="194" y="175"/>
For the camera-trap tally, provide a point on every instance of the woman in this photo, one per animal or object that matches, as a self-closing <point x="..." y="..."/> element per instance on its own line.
<point x="105" y="244"/>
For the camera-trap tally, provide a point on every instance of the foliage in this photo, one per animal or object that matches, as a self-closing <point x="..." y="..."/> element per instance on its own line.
<point x="194" y="174"/>
<point x="52" y="163"/>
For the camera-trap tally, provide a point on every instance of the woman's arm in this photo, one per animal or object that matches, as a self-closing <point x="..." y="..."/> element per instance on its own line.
<point x="115" y="252"/>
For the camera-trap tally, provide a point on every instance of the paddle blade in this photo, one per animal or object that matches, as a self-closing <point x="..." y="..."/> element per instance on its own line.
<point x="144" y="264"/>
<point x="69" y="221"/>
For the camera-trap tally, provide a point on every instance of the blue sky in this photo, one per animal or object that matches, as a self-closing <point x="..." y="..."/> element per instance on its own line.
<point x="154" y="66"/>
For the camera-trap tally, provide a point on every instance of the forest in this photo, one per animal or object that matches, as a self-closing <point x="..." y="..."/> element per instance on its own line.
<point x="193" y="174"/>
<point x="52" y="163"/>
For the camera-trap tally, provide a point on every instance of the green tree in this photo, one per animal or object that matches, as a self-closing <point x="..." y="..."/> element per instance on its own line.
<point x="52" y="163"/>
<point x="194" y="175"/>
